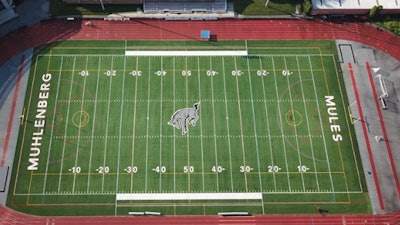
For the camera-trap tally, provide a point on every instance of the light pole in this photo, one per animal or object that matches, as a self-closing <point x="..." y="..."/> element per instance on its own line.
<point x="102" y="5"/>
<point x="266" y="3"/>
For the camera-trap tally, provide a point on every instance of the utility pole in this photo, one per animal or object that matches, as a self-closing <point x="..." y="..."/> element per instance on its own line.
<point x="266" y="3"/>
<point x="102" y="4"/>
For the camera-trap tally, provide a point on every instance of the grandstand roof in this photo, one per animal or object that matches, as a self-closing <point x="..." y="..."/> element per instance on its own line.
<point x="353" y="6"/>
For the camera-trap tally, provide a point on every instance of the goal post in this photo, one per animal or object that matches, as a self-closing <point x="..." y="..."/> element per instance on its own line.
<point x="353" y="118"/>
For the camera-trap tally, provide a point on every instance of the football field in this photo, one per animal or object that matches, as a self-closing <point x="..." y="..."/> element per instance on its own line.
<point x="186" y="128"/>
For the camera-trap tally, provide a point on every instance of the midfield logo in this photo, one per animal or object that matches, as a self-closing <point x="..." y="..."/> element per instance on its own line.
<point x="182" y="117"/>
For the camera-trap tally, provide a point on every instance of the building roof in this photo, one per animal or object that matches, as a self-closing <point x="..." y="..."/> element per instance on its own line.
<point x="353" y="6"/>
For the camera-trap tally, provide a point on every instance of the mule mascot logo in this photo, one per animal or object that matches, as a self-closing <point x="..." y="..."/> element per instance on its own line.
<point x="183" y="117"/>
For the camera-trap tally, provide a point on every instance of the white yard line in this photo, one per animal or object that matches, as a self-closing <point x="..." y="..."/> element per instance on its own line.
<point x="107" y="123"/>
<point x="227" y="125"/>
<point x="147" y="127"/>
<point x="134" y="127"/>
<point x="214" y="122"/>
<point x="120" y="132"/>
<point x="255" y="131"/>
<point x="308" y="126"/>
<point x="52" y="122"/>
<point x="322" y="127"/>
<point x="281" y="124"/>
<point x="268" y="125"/>
<point x="79" y="128"/>
<point x="201" y="125"/>
<point x="241" y="125"/>
<point x="160" y="125"/>
<point x="94" y="124"/>
<point x="66" y="127"/>
<point x="174" y="91"/>
<point x="295" y="127"/>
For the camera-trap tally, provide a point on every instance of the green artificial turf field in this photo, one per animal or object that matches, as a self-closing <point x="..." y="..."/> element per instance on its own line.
<point x="186" y="128"/>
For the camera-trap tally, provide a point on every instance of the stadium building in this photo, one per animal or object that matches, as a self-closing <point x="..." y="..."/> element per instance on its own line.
<point x="167" y="6"/>
<point x="353" y="7"/>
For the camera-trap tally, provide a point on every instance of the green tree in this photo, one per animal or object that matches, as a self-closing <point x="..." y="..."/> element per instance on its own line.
<point x="375" y="12"/>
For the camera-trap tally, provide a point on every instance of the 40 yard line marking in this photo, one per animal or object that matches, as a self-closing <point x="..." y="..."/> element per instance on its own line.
<point x="214" y="129"/>
<point x="201" y="124"/>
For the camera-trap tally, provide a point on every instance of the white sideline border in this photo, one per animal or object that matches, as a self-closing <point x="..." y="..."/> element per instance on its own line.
<point x="190" y="196"/>
<point x="186" y="53"/>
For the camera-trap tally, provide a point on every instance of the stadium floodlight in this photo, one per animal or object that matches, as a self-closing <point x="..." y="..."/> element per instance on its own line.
<point x="266" y="3"/>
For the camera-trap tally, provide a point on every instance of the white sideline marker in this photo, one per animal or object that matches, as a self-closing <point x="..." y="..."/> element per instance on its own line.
<point x="190" y="196"/>
<point x="186" y="53"/>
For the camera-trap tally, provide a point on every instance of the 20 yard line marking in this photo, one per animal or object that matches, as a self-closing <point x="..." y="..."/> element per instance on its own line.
<point x="268" y="125"/>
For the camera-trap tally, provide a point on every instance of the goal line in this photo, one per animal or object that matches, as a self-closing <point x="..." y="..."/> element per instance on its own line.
<point x="190" y="196"/>
<point x="187" y="53"/>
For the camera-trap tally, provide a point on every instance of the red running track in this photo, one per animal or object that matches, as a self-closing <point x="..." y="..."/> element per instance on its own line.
<point x="57" y="30"/>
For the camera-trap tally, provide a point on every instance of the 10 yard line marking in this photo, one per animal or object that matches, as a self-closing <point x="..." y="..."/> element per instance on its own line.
<point x="295" y="127"/>
<point x="308" y="126"/>
<point x="66" y="126"/>
<point x="280" y="123"/>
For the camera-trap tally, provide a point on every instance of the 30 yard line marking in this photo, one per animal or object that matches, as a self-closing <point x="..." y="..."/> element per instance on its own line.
<point x="93" y="126"/>
<point x="227" y="124"/>
<point x="322" y="128"/>
<point x="66" y="126"/>
<point x="308" y="125"/>
<point x="241" y="125"/>
<point x="52" y="130"/>
<point x="255" y="131"/>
